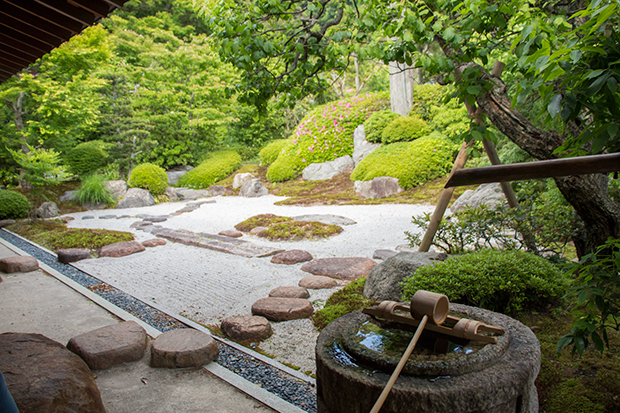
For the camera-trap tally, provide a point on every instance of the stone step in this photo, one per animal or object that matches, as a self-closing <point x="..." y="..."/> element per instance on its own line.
<point x="216" y="242"/>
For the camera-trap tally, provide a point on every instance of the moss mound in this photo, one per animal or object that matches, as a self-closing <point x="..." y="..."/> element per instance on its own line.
<point x="374" y="125"/>
<point x="150" y="177"/>
<point x="413" y="163"/>
<point x="13" y="205"/>
<point x="270" y="152"/>
<point x="216" y="167"/>
<point x="350" y="298"/>
<point x="280" y="228"/>
<point x="404" y="129"/>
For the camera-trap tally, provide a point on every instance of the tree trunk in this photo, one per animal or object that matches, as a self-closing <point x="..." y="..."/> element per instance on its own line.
<point x="588" y="194"/>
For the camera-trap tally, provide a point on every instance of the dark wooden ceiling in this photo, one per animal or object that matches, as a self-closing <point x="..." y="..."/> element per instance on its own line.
<point x="31" y="28"/>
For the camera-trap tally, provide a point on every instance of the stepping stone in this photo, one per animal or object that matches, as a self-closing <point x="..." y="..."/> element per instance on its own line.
<point x="123" y="217"/>
<point x="111" y="345"/>
<point x="282" y="309"/>
<point x="46" y="377"/>
<point x="23" y="263"/>
<point x="317" y="282"/>
<point x="107" y="217"/>
<point x="383" y="254"/>
<point x="246" y="327"/>
<point x="68" y="255"/>
<point x="156" y="219"/>
<point x="348" y="269"/>
<point x="289" y="292"/>
<point x="149" y="243"/>
<point x="197" y="204"/>
<point x="88" y="217"/>
<point x="216" y="190"/>
<point x="326" y="219"/>
<point x="140" y="224"/>
<point x="6" y="222"/>
<point x="121" y="249"/>
<point x="231" y="233"/>
<point x="291" y="257"/>
<point x="257" y="230"/>
<point x="183" y="348"/>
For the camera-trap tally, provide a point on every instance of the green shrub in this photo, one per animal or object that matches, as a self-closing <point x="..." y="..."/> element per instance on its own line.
<point x="451" y="119"/>
<point x="13" y="205"/>
<point x="503" y="281"/>
<point x="324" y="134"/>
<point x="404" y="129"/>
<point x="425" y="97"/>
<point x="93" y="190"/>
<point x="218" y="166"/>
<point x="86" y="158"/>
<point x="374" y="125"/>
<point x="413" y="163"/>
<point x="350" y="298"/>
<point x="149" y="176"/>
<point x="271" y="151"/>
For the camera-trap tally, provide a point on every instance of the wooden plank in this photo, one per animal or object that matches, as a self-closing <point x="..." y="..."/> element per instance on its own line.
<point x="29" y="31"/>
<point x="25" y="48"/>
<point x="98" y="8"/>
<point x="42" y="12"/>
<point x="16" y="55"/>
<point x="76" y="13"/>
<point x="36" y="22"/>
<point x="20" y="39"/>
<point x="579" y="165"/>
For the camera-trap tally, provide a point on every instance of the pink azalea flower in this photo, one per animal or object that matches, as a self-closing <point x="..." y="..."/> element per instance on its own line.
<point x="303" y="159"/>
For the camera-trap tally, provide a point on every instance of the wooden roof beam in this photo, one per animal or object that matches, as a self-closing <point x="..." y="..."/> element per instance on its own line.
<point x="24" y="48"/>
<point x="19" y="39"/>
<point x="29" y="31"/>
<point x="76" y="13"/>
<point x="16" y="55"/>
<point x="42" y="12"/>
<point x="98" y="8"/>
<point x="36" y="22"/>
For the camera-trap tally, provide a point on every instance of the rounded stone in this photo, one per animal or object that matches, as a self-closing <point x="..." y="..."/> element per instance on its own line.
<point x="23" y="263"/>
<point x="121" y="249"/>
<point x="289" y="292"/>
<point x="154" y="242"/>
<point x="258" y="230"/>
<point x="349" y="268"/>
<point x="183" y="348"/>
<point x="282" y="309"/>
<point x="231" y="233"/>
<point x="68" y="255"/>
<point x="317" y="282"/>
<point x="246" y="327"/>
<point x="291" y="257"/>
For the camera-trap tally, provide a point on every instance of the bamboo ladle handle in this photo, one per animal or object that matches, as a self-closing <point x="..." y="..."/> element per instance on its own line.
<point x="423" y="304"/>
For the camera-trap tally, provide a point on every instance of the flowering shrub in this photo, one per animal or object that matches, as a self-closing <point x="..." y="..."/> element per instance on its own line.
<point x="324" y="134"/>
<point x="374" y="125"/>
<point x="404" y="129"/>
<point x="218" y="166"/>
<point x="413" y="163"/>
<point x="271" y="151"/>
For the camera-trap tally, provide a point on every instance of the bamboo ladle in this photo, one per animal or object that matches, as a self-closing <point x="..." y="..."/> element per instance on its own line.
<point x="425" y="305"/>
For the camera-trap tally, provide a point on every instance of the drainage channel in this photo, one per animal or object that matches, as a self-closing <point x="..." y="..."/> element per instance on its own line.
<point x="283" y="382"/>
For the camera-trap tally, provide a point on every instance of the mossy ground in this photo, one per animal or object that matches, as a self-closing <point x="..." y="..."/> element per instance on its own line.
<point x="287" y="229"/>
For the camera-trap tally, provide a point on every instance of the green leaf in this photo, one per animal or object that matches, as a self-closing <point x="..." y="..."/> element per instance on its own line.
<point x="598" y="342"/>
<point x="612" y="84"/>
<point x="555" y="105"/>
<point x="575" y="55"/>
<point x="583" y="296"/>
<point x="449" y="33"/>
<point x="474" y="90"/>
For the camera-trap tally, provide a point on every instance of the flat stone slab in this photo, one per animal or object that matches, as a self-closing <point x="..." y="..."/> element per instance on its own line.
<point x="107" y="217"/>
<point x="216" y="242"/>
<point x="68" y="255"/>
<point x="6" y="222"/>
<point x="43" y="376"/>
<point x="282" y="309"/>
<point x="328" y="219"/>
<point x="88" y="217"/>
<point x="317" y="282"/>
<point x="24" y="263"/>
<point x="121" y="249"/>
<point x="183" y="348"/>
<point x="149" y="243"/>
<point x="383" y="254"/>
<point x="111" y="345"/>
<point x="161" y="218"/>
<point x="289" y="292"/>
<point x="233" y="233"/>
<point x="247" y="327"/>
<point x="291" y="257"/>
<point x="350" y="268"/>
<point x="192" y="194"/>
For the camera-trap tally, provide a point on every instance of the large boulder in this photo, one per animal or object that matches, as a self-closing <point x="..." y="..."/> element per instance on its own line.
<point x="43" y="376"/>
<point x="188" y="194"/>
<point x="174" y="175"/>
<point x="348" y="268"/>
<point x="327" y="170"/>
<point x="69" y="196"/>
<point x="117" y="189"/>
<point x="379" y="187"/>
<point x="383" y="282"/>
<point x="253" y="189"/>
<point x="171" y="194"/>
<point x="241" y="179"/>
<point x="490" y="195"/>
<point x="47" y="210"/>
<point x="136" y="198"/>
<point x="361" y="147"/>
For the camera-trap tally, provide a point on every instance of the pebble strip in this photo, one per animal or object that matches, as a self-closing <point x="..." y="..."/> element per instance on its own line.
<point x="294" y="391"/>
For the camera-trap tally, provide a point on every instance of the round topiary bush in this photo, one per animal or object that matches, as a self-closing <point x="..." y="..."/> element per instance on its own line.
<point x="217" y="167"/>
<point x="504" y="281"/>
<point x="374" y="125"/>
<point x="13" y="205"/>
<point x="404" y="129"/>
<point x="413" y="163"/>
<point x="270" y="152"/>
<point x="149" y="176"/>
<point x="86" y="158"/>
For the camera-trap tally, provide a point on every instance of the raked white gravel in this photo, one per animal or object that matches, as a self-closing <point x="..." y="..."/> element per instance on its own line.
<point x="208" y="286"/>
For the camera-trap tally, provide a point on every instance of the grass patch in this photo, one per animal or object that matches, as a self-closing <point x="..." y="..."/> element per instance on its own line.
<point x="263" y="220"/>
<point x="350" y="298"/>
<point x="54" y="235"/>
<point x="287" y="229"/>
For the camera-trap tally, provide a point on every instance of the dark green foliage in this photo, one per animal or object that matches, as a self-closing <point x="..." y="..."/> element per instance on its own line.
<point x="218" y="166"/>
<point x="350" y="298"/>
<point x="271" y="151"/>
<point x="150" y="177"/>
<point x="93" y="190"/>
<point x="503" y="281"/>
<point x="13" y="205"/>
<point x="413" y="163"/>
<point x="404" y="129"/>
<point x="86" y="158"/>
<point x="374" y="125"/>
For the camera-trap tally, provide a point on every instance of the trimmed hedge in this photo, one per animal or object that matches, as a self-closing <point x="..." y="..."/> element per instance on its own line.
<point x="374" y="125"/>
<point x="149" y="176"/>
<point x="86" y="158"/>
<point x="215" y="168"/>
<point x="404" y="129"/>
<point x="325" y="133"/>
<point x="413" y="163"/>
<point x="13" y="205"/>
<point x="503" y="281"/>
<point x="270" y="152"/>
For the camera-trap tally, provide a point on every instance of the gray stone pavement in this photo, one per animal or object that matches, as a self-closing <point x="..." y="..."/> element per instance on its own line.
<point x="36" y="302"/>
